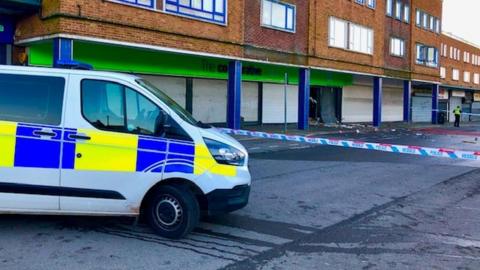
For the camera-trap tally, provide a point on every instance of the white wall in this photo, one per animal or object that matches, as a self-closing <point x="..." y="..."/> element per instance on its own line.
<point x="249" y="109"/>
<point x="392" y="104"/>
<point x="210" y="100"/>
<point x="357" y="104"/>
<point x="273" y="103"/>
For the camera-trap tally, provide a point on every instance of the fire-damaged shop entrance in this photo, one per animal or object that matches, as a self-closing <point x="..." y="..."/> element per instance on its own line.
<point x="326" y="104"/>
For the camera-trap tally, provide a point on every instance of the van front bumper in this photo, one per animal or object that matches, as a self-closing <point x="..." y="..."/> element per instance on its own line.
<point x="221" y="201"/>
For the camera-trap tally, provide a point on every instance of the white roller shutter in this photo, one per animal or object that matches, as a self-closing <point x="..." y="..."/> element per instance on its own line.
<point x="210" y="100"/>
<point x="392" y="104"/>
<point x="174" y="87"/>
<point x="357" y="104"/>
<point x="421" y="109"/>
<point x="273" y="103"/>
<point x="249" y="110"/>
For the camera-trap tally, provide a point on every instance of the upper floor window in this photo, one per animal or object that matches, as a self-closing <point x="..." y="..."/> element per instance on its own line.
<point x="444" y="49"/>
<point x="370" y="3"/>
<point x="427" y="55"/>
<point x="406" y="13"/>
<point x="466" y="57"/>
<point x="476" y="78"/>
<point x="455" y="74"/>
<point x="389" y="6"/>
<point x="397" y="47"/>
<point x="466" y="76"/>
<point x="443" y="72"/>
<point x="398" y="9"/>
<point x="208" y="10"/>
<point x="427" y="21"/>
<point x="350" y="36"/>
<point x="278" y="15"/>
<point x="142" y="3"/>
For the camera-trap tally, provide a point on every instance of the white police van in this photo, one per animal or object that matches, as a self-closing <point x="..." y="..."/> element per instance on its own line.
<point x="96" y="143"/>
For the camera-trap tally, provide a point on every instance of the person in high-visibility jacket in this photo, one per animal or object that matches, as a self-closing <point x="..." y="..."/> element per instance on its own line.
<point x="457" y="112"/>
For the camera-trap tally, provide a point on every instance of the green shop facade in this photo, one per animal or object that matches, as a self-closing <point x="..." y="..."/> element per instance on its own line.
<point x="214" y="89"/>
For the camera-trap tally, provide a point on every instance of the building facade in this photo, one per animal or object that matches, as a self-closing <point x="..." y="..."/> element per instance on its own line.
<point x="250" y="61"/>
<point x="460" y="76"/>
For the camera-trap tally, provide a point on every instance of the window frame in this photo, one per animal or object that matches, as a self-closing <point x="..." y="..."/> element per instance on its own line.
<point x="62" y="103"/>
<point x="443" y="72"/>
<point x="398" y="13"/>
<point x="424" y="50"/>
<point x="457" y="72"/>
<point x="389" y="12"/>
<point x="465" y="73"/>
<point x="129" y="3"/>
<point x="402" y="43"/>
<point x="371" y="4"/>
<point x="199" y="18"/>
<point x="124" y="109"/>
<point x="418" y="18"/>
<point x="287" y="6"/>
<point x="476" y="78"/>
<point x="406" y="13"/>
<point x="347" y="45"/>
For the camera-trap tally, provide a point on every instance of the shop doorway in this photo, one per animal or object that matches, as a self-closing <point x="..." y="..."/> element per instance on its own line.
<point x="325" y="104"/>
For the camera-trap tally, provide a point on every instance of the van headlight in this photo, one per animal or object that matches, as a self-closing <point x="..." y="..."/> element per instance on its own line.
<point x="224" y="153"/>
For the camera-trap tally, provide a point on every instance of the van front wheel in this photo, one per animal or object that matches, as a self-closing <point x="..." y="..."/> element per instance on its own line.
<point x="173" y="211"/>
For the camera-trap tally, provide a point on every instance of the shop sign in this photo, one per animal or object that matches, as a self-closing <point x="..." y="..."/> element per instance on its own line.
<point x="476" y="96"/>
<point x="458" y="93"/>
<point x="443" y="94"/>
<point x="2" y="28"/>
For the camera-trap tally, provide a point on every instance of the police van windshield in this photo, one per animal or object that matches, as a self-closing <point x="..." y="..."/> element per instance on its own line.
<point x="179" y="110"/>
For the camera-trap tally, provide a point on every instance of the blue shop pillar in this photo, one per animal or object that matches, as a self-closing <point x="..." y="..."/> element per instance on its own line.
<point x="407" y="98"/>
<point x="377" y="101"/>
<point x="435" y="90"/>
<point x="303" y="98"/>
<point x="234" y="94"/>
<point x="62" y="52"/>
<point x="7" y="29"/>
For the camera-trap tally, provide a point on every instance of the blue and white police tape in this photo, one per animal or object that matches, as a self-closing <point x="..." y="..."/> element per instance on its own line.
<point x="463" y="113"/>
<point x="400" y="149"/>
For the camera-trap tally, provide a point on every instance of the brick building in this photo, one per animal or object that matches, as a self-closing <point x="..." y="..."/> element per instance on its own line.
<point x="339" y="61"/>
<point x="460" y="75"/>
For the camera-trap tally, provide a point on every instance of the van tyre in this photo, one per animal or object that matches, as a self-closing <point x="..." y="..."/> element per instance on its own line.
<point x="173" y="211"/>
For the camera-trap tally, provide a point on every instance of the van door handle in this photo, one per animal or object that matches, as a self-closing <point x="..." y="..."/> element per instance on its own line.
<point x="82" y="137"/>
<point x="41" y="133"/>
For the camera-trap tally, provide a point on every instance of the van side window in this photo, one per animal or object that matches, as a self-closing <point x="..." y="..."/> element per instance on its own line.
<point x="31" y="99"/>
<point x="103" y="105"/>
<point x="114" y="107"/>
<point x="144" y="117"/>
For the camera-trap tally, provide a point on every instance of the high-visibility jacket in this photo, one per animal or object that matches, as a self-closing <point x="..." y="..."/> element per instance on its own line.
<point x="457" y="111"/>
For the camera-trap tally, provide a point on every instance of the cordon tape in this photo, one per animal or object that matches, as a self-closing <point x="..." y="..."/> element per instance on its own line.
<point x="393" y="148"/>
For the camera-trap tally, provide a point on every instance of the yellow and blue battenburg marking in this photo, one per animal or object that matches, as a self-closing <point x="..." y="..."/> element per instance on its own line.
<point x="8" y="133"/>
<point x="21" y="145"/>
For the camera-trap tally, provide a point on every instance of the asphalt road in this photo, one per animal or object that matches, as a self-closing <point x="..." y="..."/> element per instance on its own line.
<point x="310" y="208"/>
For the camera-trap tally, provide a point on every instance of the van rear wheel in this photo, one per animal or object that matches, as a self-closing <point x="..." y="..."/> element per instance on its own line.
<point x="173" y="211"/>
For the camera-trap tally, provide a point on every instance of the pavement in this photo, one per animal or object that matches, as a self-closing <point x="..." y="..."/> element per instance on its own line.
<point x="311" y="207"/>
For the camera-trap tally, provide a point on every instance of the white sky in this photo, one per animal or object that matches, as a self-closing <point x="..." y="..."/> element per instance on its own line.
<point x="462" y="18"/>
